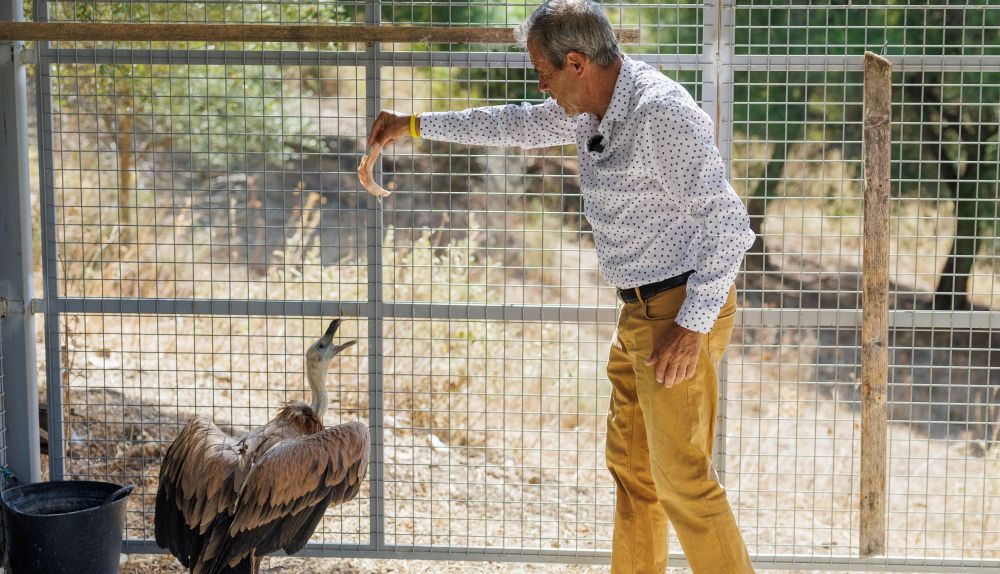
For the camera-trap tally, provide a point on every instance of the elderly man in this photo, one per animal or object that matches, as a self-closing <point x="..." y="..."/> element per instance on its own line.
<point x="670" y="234"/>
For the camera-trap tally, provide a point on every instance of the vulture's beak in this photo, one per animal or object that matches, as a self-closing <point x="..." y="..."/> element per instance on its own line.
<point x="350" y="343"/>
<point x="331" y="330"/>
<point x="334" y="325"/>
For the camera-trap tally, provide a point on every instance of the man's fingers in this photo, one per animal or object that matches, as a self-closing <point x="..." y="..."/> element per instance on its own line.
<point x="667" y="371"/>
<point x="380" y="129"/>
<point x="692" y="368"/>
<point x="680" y="375"/>
<point x="376" y="130"/>
<point x="675" y="359"/>
<point x="660" y="370"/>
<point x="671" y="375"/>
<point x="373" y="136"/>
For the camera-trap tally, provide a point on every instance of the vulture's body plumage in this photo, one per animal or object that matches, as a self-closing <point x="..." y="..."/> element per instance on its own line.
<point x="225" y="502"/>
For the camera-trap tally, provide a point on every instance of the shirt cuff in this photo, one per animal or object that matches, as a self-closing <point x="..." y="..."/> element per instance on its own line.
<point x="699" y="313"/>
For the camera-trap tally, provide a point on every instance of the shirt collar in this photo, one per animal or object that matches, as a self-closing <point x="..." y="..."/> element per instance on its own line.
<point x="618" y="109"/>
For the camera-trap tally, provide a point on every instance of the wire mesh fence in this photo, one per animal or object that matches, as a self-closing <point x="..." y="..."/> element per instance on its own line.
<point x="796" y="157"/>
<point x="201" y="215"/>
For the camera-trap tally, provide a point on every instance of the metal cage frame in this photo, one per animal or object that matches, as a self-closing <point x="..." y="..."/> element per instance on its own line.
<point x="717" y="63"/>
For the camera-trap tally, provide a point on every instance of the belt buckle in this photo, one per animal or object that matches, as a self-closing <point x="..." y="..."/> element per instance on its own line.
<point x="622" y="292"/>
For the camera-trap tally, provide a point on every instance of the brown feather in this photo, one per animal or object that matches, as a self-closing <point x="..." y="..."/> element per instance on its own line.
<point x="281" y="483"/>
<point x="249" y="497"/>
<point x="222" y="502"/>
<point x="278" y="508"/>
<point x="301" y="417"/>
<point x="193" y="478"/>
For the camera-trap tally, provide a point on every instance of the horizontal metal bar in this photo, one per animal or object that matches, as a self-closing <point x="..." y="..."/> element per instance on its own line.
<point x="770" y="561"/>
<point x="246" y="307"/>
<point x="200" y="57"/>
<point x="798" y="5"/>
<point x="961" y="320"/>
<point x="324" y="58"/>
<point x="890" y="564"/>
<point x="760" y="317"/>
<point x="548" y="313"/>
<point x="490" y="59"/>
<point x="748" y="317"/>
<point x="851" y="318"/>
<point x="129" y="32"/>
<point x="478" y="553"/>
<point x="856" y="63"/>
<point x="398" y="552"/>
<point x="253" y="307"/>
<point x="519" y="59"/>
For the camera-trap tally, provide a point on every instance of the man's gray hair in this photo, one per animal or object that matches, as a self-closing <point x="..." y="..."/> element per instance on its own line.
<point x="561" y="26"/>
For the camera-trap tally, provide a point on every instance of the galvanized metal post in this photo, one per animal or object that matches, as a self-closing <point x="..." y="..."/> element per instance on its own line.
<point x="17" y="262"/>
<point x="47" y="194"/>
<point x="376" y="469"/>
<point x="717" y="100"/>
<point x="724" y="82"/>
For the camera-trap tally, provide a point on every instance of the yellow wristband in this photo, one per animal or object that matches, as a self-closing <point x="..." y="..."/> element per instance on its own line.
<point x="413" y="127"/>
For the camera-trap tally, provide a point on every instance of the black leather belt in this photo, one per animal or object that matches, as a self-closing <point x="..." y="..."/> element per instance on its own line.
<point x="646" y="291"/>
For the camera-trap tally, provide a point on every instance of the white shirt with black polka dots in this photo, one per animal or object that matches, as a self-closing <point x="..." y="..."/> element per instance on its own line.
<point x="656" y="195"/>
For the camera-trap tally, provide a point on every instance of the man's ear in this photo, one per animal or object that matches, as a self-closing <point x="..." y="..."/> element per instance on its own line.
<point x="576" y="61"/>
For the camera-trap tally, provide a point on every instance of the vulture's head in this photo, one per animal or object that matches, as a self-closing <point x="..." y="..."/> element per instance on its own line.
<point x="323" y="350"/>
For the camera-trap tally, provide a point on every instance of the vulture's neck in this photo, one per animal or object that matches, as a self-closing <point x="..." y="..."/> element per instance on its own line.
<point x="316" y="375"/>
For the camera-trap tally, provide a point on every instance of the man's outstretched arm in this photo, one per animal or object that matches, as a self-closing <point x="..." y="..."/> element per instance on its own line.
<point x="524" y="125"/>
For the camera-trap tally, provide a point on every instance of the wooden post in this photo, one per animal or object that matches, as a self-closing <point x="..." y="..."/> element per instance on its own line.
<point x="875" y="302"/>
<point x="93" y="32"/>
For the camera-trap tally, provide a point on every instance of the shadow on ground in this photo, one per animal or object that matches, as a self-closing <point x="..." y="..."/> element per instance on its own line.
<point x="944" y="384"/>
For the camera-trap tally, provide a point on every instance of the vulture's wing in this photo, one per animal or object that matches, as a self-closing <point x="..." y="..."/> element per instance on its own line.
<point x="290" y="487"/>
<point x="196" y="488"/>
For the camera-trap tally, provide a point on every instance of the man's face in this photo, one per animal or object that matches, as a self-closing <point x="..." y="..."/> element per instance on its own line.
<point x="560" y="84"/>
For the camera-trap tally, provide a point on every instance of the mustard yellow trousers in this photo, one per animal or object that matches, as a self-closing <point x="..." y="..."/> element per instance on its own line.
<point x="659" y="448"/>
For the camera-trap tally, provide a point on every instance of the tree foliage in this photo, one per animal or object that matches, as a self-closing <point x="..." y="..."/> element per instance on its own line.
<point x="215" y="113"/>
<point x="945" y="122"/>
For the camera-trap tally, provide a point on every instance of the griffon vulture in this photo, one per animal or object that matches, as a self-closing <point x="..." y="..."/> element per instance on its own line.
<point x="225" y="502"/>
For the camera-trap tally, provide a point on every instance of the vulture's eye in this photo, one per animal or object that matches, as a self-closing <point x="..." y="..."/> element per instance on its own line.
<point x="321" y="345"/>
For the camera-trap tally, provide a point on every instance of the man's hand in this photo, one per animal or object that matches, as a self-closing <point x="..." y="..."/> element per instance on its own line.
<point x="675" y="358"/>
<point x="388" y="127"/>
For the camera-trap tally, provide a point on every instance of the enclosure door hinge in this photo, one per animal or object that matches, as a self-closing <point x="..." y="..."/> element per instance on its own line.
<point x="17" y="51"/>
<point x="17" y="306"/>
<point x="37" y="306"/>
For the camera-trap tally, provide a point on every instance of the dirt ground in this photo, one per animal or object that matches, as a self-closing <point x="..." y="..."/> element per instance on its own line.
<point x="155" y="565"/>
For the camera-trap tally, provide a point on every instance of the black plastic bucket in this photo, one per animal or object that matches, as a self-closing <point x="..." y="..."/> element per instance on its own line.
<point x="64" y="526"/>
